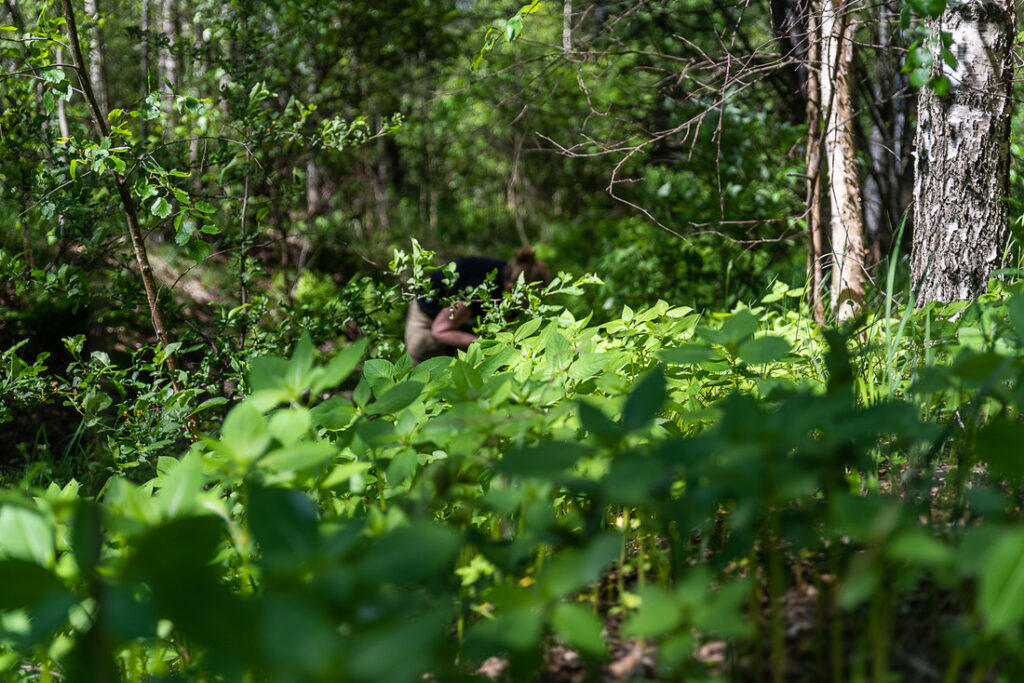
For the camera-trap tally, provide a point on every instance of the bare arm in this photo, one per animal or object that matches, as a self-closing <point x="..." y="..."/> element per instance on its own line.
<point x="445" y="327"/>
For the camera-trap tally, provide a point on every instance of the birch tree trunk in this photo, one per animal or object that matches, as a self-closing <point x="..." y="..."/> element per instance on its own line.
<point x="169" y="72"/>
<point x="815" y="213"/>
<point x="847" y="222"/>
<point x="97" y="68"/>
<point x="962" y="147"/>
<point x="144" y="63"/>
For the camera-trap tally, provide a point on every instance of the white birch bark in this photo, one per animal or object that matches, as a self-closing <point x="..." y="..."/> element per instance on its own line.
<point x="97" y="68"/>
<point x="962" y="156"/>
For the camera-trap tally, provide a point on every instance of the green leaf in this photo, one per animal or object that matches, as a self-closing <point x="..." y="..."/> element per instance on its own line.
<point x="180" y="487"/>
<point x="410" y="553"/>
<point x="527" y="329"/>
<point x="339" y="367"/>
<point x="542" y="461"/>
<point x="1001" y="594"/>
<point x="918" y="547"/>
<point x="244" y="432"/>
<point x="298" y="457"/>
<point x="736" y="328"/>
<point x="644" y="401"/>
<point x="26" y="584"/>
<point x="87" y="537"/>
<point x="762" y="350"/>
<point x="403" y="465"/>
<point x="198" y="250"/>
<point x="687" y="354"/>
<point x="290" y="425"/>
<point x="25" y="535"/>
<point x="334" y="414"/>
<point x="73" y="168"/>
<point x="396" y="398"/>
<point x="160" y="207"/>
<point x="597" y="423"/>
<point x="992" y="446"/>
<point x="579" y="628"/>
<point x="940" y="85"/>
<point x="284" y="524"/>
<point x="919" y="77"/>
<point x="659" y="614"/>
<point x="344" y="472"/>
<point x="267" y="372"/>
<point x="513" y="27"/>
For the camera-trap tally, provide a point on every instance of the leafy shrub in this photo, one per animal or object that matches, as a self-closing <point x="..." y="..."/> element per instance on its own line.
<point x="683" y="463"/>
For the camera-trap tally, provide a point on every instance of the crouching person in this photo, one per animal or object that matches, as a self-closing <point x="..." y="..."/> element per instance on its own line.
<point x="432" y="329"/>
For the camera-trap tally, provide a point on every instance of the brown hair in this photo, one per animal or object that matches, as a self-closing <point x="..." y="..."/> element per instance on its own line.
<point x="526" y="264"/>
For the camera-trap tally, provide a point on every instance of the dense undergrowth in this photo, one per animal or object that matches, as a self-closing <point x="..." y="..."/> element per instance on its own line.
<point x="667" y="475"/>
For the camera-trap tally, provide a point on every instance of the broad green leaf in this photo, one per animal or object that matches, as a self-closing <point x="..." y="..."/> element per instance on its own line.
<point x="542" y="461"/>
<point x="181" y="486"/>
<point x="339" y="367"/>
<point x="686" y="354"/>
<point x="597" y="423"/>
<point x="659" y="614"/>
<point x="284" y="523"/>
<point x="919" y="547"/>
<point x="579" y="628"/>
<point x="299" y="456"/>
<point x="343" y="472"/>
<point x="334" y="414"/>
<point x="244" y="433"/>
<point x="290" y="425"/>
<point x="735" y="329"/>
<point x="411" y="553"/>
<point x="161" y="208"/>
<point x="403" y="465"/>
<point x="198" y="250"/>
<point x="301" y="362"/>
<point x="267" y="372"/>
<point x="513" y="27"/>
<point x="527" y="329"/>
<point x="25" y="535"/>
<point x="396" y="398"/>
<point x="762" y="350"/>
<point x="25" y="585"/>
<point x="377" y="368"/>
<point x="1001" y="594"/>
<point x="87" y="537"/>
<point x="644" y="401"/>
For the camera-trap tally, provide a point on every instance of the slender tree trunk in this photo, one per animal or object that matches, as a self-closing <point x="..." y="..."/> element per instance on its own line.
<point x="962" y="172"/>
<point x="97" y="68"/>
<point x="99" y="117"/>
<point x="847" y="222"/>
<point x="815" y="142"/>
<point x="144" y="62"/>
<point x="62" y="111"/>
<point x="567" y="26"/>
<point x="169" y="71"/>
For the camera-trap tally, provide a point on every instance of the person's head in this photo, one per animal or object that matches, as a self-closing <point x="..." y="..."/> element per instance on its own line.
<point x="525" y="263"/>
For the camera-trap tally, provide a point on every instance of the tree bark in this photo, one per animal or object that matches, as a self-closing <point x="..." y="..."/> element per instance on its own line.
<point x="815" y="141"/>
<point x="168" y="61"/>
<point x="962" y="148"/>
<point x="144" y="63"/>
<point x="99" y="117"/>
<point x="97" y="68"/>
<point x="847" y="222"/>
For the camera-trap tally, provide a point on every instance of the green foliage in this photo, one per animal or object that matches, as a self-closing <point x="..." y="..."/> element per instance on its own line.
<point x="471" y="507"/>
